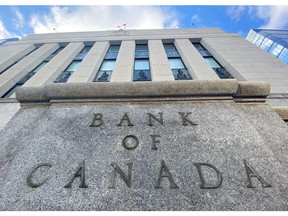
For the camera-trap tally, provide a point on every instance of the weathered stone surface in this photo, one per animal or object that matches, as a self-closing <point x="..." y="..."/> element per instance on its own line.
<point x="180" y="88"/>
<point x="226" y="134"/>
<point x="252" y="88"/>
<point x="7" y="111"/>
<point x="282" y="111"/>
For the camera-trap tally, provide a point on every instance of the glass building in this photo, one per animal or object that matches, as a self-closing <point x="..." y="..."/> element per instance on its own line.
<point x="271" y="40"/>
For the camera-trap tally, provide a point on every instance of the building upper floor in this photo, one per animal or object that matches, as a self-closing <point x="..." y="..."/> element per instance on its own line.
<point x="136" y="56"/>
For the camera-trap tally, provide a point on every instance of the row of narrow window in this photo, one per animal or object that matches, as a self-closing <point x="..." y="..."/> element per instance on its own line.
<point x="141" y="65"/>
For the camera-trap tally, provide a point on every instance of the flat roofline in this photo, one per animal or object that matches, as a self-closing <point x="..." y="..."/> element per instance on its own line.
<point x="145" y="31"/>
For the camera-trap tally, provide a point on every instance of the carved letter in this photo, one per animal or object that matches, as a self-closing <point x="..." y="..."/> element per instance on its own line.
<point x="125" y="118"/>
<point x="252" y="173"/>
<point x="29" y="181"/>
<point x="124" y="142"/>
<point x="204" y="185"/>
<point x="184" y="117"/>
<point x="97" y="121"/>
<point x="80" y="172"/>
<point x="127" y="179"/>
<point x="158" y="120"/>
<point x="154" y="141"/>
<point x="168" y="175"/>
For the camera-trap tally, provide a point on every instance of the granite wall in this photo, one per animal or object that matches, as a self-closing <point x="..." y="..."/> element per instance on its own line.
<point x="223" y="152"/>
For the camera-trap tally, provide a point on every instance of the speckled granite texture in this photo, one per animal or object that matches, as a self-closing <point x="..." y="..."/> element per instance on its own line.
<point x="226" y="134"/>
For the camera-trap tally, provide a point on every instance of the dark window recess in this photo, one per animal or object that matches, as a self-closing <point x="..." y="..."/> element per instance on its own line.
<point x="11" y="91"/>
<point x="177" y="66"/>
<point x="64" y="76"/>
<point x="30" y="74"/>
<point x="24" y="79"/>
<point x="54" y="54"/>
<point x="219" y="70"/>
<point x="83" y="53"/>
<point x="141" y="63"/>
<point x="171" y="51"/>
<point x="105" y="72"/>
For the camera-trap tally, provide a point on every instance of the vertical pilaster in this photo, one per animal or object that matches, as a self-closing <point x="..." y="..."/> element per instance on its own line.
<point x="159" y="65"/>
<point x="91" y="63"/>
<point x="123" y="71"/>
<point x="10" y="54"/>
<point x="10" y="77"/>
<point x="49" y="72"/>
<point x="194" y="62"/>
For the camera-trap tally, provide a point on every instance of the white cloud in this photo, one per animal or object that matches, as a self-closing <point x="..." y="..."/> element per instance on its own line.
<point x="4" y="33"/>
<point x="93" y="18"/>
<point x="19" y="20"/>
<point x="275" y="16"/>
<point x="236" y="12"/>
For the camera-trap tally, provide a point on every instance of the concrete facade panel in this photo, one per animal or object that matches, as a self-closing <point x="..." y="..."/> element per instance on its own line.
<point x="91" y="63"/>
<point x="38" y="81"/>
<point x="159" y="65"/>
<point x="84" y="72"/>
<point x="58" y="64"/>
<point x="194" y="61"/>
<point x="123" y="77"/>
<point x="238" y="55"/>
<point x="77" y="79"/>
<point x="9" y="56"/>
<point x="5" y="85"/>
<point x="125" y="63"/>
<point x="27" y="64"/>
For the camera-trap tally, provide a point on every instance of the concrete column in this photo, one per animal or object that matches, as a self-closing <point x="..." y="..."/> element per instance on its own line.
<point x="90" y="65"/>
<point x="194" y="61"/>
<point x="27" y="64"/>
<point x="124" y="67"/>
<point x="49" y="72"/>
<point x="159" y="65"/>
<point x="10" y="54"/>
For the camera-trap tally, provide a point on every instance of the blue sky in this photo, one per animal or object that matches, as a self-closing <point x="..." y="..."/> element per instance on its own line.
<point x="19" y="21"/>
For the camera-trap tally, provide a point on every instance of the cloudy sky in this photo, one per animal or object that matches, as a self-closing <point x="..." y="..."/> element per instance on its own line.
<point x="19" y="21"/>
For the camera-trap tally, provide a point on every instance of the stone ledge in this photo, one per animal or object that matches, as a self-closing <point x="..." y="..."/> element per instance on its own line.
<point x="192" y="88"/>
<point x="253" y="89"/>
<point x="282" y="111"/>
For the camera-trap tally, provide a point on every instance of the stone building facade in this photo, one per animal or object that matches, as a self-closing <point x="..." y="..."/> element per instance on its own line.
<point x="172" y="119"/>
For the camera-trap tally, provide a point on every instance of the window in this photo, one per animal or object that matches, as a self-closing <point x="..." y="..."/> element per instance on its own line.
<point x="64" y="76"/>
<point x="177" y="66"/>
<point x="30" y="74"/>
<point x="276" y="49"/>
<point x="283" y="56"/>
<point x="83" y="53"/>
<point x="266" y="44"/>
<point x="11" y="91"/>
<point x="258" y="40"/>
<point x="141" y="63"/>
<point x="251" y="35"/>
<point x="105" y="72"/>
<point x="54" y="54"/>
<point x="211" y="61"/>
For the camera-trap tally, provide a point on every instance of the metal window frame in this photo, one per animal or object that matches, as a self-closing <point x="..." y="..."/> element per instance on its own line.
<point x="179" y="57"/>
<point x="107" y="59"/>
